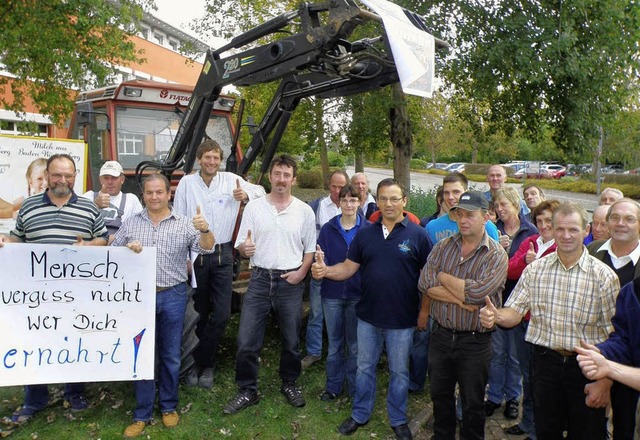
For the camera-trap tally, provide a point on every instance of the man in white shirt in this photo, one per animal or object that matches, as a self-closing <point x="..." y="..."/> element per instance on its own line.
<point x="277" y="235"/>
<point x="219" y="195"/>
<point x="115" y="206"/>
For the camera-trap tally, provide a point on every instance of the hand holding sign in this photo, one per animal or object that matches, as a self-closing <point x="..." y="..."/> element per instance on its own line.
<point x="135" y="246"/>
<point x="238" y="193"/>
<point x="79" y="241"/>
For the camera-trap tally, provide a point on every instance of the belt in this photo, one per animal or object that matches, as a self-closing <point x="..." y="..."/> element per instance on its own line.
<point x="162" y="289"/>
<point x="276" y="272"/>
<point x="454" y="331"/>
<point x="561" y="352"/>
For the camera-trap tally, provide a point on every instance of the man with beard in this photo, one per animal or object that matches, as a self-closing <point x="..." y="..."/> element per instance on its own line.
<point x="57" y="216"/>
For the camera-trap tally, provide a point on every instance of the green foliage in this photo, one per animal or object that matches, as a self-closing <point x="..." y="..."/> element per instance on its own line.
<point x="418" y="164"/>
<point x="421" y="203"/>
<point x="585" y="186"/>
<point x="310" y="178"/>
<point x="52" y="46"/>
<point x="534" y="65"/>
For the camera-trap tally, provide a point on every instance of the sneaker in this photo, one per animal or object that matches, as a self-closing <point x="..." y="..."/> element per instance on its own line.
<point x="206" y="378"/>
<point x="309" y="360"/>
<point x="134" y="430"/>
<point x="78" y="403"/>
<point x="191" y="379"/>
<point x="328" y="396"/>
<point x="293" y="394"/>
<point x="170" y="419"/>
<point x="243" y="399"/>
<point x="23" y="415"/>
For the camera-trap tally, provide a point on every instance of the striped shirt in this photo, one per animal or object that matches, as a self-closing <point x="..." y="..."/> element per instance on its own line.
<point x="173" y="238"/>
<point x="216" y="201"/>
<point x="484" y="272"/>
<point x="41" y="221"/>
<point x="567" y="303"/>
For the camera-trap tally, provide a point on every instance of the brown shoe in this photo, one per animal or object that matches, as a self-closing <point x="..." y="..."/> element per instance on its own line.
<point x="134" y="430"/>
<point x="170" y="419"/>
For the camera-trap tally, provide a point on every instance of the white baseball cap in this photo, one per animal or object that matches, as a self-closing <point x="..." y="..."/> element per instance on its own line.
<point x="111" y="168"/>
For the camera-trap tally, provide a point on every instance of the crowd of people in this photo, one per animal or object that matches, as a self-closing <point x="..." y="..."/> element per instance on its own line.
<point x="495" y="298"/>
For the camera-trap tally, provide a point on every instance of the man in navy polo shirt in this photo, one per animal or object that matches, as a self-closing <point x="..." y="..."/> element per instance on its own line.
<point x="389" y="254"/>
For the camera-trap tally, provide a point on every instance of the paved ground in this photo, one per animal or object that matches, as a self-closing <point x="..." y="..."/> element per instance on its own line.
<point x="422" y="426"/>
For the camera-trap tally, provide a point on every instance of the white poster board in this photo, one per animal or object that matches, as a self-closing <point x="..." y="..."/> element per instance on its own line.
<point x="76" y="314"/>
<point x="17" y="153"/>
<point x="413" y="48"/>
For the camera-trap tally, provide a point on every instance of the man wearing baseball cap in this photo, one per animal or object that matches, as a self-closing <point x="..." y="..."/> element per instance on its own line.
<point x="460" y="272"/>
<point x="115" y="206"/>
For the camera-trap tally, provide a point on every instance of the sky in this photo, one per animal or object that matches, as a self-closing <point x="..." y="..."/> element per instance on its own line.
<point x="180" y="13"/>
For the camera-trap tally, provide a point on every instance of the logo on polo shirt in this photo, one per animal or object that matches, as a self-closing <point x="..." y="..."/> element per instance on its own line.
<point x="405" y="246"/>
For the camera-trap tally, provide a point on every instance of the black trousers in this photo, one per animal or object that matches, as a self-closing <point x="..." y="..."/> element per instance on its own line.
<point x="559" y="400"/>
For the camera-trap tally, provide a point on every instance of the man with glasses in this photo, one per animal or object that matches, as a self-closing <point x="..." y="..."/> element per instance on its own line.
<point x="57" y="216"/>
<point x="621" y="253"/>
<point x="389" y="254"/>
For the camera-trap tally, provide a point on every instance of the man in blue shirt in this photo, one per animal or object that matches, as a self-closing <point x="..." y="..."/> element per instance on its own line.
<point x="390" y="254"/>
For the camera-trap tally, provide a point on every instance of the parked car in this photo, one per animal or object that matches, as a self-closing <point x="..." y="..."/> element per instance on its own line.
<point x="613" y="169"/>
<point x="457" y="167"/>
<point x="438" y="166"/>
<point x="556" y="171"/>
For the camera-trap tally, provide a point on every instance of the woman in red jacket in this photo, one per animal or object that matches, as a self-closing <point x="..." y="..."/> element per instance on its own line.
<point x="532" y="248"/>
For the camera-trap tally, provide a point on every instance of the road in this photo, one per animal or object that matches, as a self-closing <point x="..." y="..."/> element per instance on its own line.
<point x="429" y="182"/>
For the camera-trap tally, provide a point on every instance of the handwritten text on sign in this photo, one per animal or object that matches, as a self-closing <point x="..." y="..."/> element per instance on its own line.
<point x="76" y="314"/>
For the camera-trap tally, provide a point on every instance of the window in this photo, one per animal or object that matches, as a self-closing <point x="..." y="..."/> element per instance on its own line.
<point x="159" y="38"/>
<point x="23" y="128"/>
<point x="175" y="45"/>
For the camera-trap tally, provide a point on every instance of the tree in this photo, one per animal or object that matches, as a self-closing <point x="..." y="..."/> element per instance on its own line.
<point x="565" y="65"/>
<point x="53" y="46"/>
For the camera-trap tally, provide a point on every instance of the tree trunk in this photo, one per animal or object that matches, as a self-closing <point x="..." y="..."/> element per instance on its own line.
<point x="322" y="143"/>
<point x="401" y="138"/>
<point x="359" y="165"/>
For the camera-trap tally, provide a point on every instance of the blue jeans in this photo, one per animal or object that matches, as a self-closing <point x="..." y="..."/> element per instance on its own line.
<point x="266" y="291"/>
<point x="524" y="351"/>
<point x="342" y="335"/>
<point x="463" y="358"/>
<point x="398" y="343"/>
<point x="419" y="358"/>
<point x="212" y="301"/>
<point x="314" y="324"/>
<point x="170" y="308"/>
<point x="36" y="397"/>
<point x="504" y="373"/>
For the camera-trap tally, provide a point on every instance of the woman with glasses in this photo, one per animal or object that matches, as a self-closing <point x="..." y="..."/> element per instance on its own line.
<point x="339" y="298"/>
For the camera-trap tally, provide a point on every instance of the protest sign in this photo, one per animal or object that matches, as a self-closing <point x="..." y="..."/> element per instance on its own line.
<point x="76" y="314"/>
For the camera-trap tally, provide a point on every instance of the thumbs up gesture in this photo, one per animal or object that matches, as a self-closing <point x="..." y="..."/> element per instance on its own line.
<point x="199" y="222"/>
<point x="531" y="254"/>
<point x="248" y="247"/>
<point x="103" y="199"/>
<point x="488" y="314"/>
<point x="319" y="268"/>
<point x="238" y="193"/>
<point x="79" y="241"/>
<point x="504" y="240"/>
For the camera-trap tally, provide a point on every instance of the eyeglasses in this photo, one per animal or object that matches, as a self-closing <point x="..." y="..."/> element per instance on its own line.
<point x="393" y="200"/>
<point x="57" y="176"/>
<point x="350" y="201"/>
<point x="627" y="219"/>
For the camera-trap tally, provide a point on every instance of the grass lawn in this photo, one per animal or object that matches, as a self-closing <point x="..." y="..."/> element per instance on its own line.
<point x="201" y="410"/>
